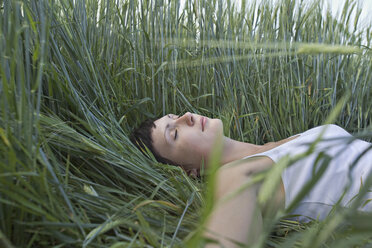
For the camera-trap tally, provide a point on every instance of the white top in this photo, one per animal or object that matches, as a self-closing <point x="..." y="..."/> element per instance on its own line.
<point x="340" y="173"/>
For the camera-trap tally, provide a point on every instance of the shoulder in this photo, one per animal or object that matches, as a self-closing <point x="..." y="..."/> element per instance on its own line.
<point x="248" y="166"/>
<point x="326" y="131"/>
<point x="329" y="128"/>
<point x="232" y="175"/>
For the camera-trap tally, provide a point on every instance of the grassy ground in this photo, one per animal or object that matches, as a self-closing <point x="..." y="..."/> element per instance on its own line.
<point x="77" y="76"/>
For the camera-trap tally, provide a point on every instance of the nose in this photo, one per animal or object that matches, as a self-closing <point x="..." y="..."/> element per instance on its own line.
<point x="186" y="118"/>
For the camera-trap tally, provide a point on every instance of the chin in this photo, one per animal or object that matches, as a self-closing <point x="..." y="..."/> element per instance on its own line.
<point x="215" y="129"/>
<point x="218" y="126"/>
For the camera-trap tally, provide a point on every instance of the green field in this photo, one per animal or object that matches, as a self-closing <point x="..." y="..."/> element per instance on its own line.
<point x="77" y="76"/>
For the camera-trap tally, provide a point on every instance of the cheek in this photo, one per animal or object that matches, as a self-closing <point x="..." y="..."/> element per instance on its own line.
<point x="187" y="149"/>
<point x="199" y="147"/>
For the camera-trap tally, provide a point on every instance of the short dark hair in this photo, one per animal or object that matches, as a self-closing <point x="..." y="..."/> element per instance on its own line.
<point x="141" y="137"/>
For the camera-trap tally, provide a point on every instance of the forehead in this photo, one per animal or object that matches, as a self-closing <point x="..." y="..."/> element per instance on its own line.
<point x="158" y="131"/>
<point x="161" y="122"/>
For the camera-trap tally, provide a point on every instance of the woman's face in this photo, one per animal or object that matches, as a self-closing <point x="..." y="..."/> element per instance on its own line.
<point x="186" y="139"/>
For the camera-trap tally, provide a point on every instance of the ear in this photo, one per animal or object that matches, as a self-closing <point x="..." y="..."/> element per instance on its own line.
<point x="193" y="173"/>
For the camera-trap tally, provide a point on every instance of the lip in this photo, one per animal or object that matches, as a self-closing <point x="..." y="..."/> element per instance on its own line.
<point x="203" y="120"/>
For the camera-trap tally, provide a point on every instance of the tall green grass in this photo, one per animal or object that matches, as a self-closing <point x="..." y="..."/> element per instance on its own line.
<point x="77" y="76"/>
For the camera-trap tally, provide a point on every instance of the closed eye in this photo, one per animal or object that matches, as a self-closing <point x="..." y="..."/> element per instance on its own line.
<point x="175" y="134"/>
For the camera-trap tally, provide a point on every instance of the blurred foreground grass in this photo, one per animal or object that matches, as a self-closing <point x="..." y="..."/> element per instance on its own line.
<point x="77" y="76"/>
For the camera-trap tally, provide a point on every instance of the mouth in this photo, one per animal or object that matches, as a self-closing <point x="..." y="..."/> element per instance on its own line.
<point x="203" y="120"/>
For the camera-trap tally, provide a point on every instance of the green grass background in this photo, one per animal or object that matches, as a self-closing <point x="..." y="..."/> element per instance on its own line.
<point x="77" y="76"/>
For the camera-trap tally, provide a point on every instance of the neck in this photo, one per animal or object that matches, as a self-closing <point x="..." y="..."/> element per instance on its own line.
<point x="234" y="150"/>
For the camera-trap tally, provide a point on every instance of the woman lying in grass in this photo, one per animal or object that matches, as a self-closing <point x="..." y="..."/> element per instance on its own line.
<point x="187" y="141"/>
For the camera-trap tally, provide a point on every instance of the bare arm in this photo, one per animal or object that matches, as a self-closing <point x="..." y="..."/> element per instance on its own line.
<point x="239" y="218"/>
